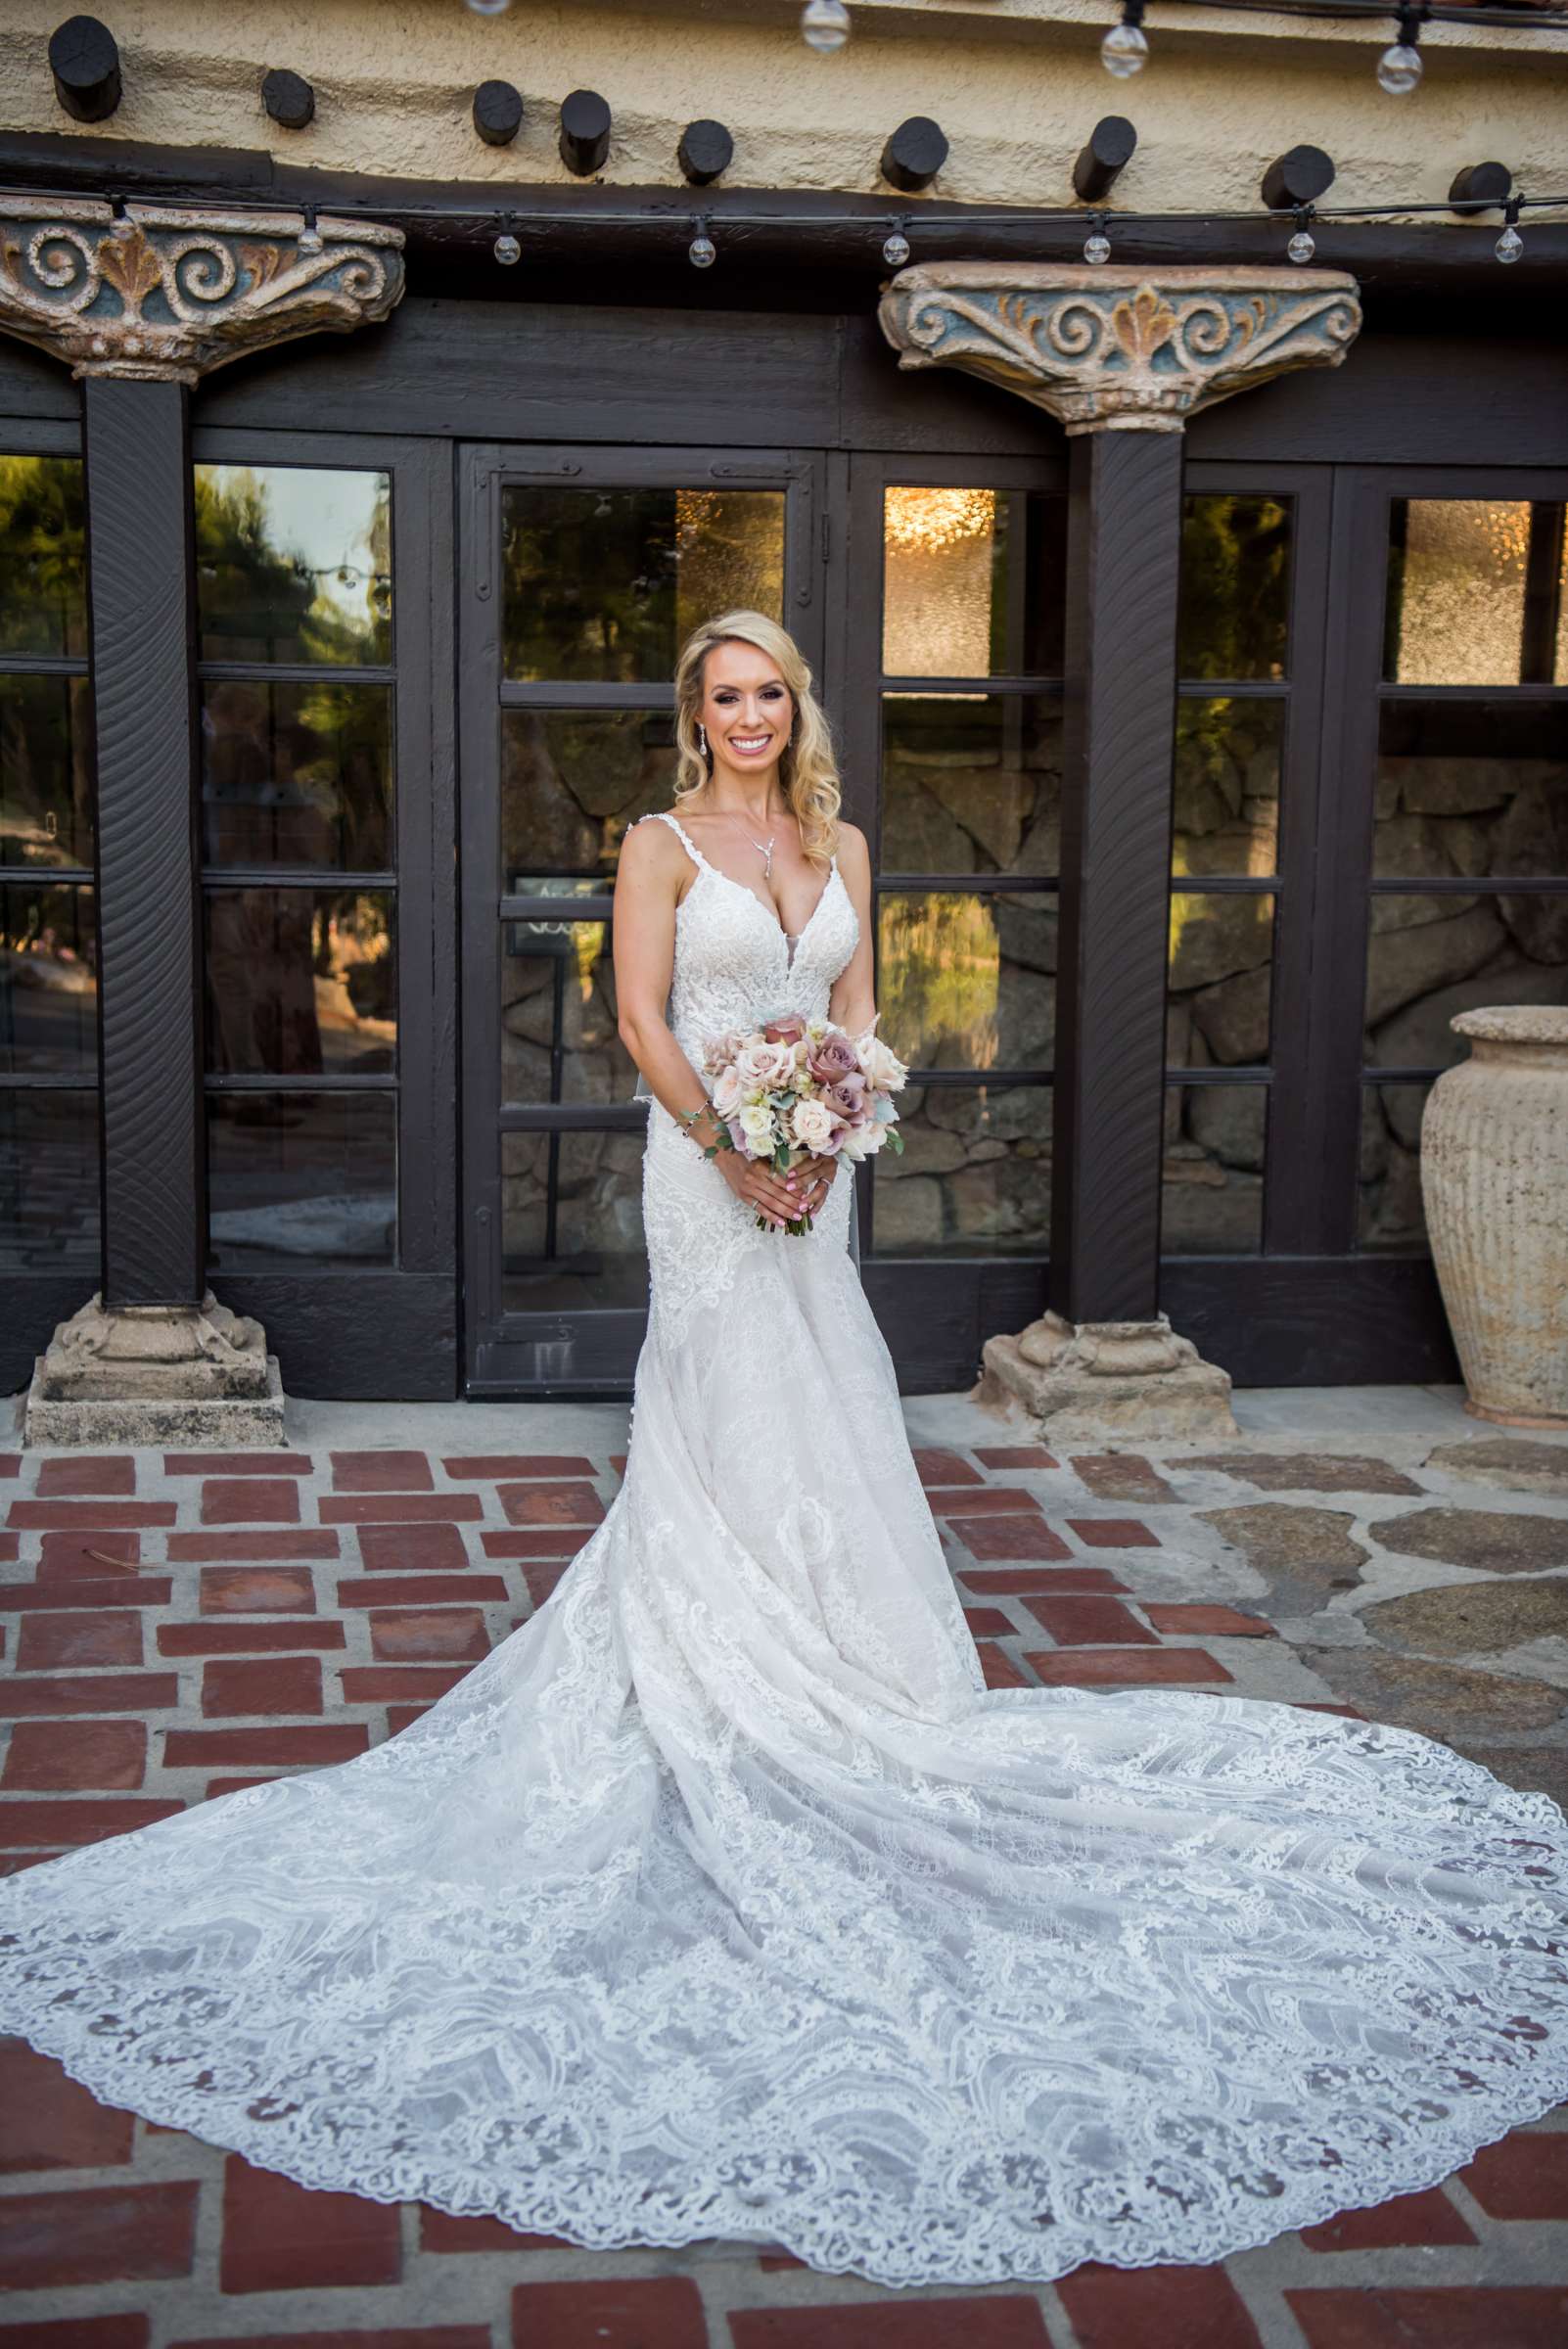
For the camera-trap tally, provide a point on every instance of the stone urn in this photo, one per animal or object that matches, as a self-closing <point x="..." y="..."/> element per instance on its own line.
<point x="1494" y="1182"/>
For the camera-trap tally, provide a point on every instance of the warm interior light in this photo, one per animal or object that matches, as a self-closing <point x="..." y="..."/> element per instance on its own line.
<point x="922" y="521"/>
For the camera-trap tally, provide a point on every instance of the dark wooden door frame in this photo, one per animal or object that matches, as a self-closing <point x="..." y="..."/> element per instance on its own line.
<point x="1293" y="1180"/>
<point x="37" y="1300"/>
<point x="1313" y="1309"/>
<point x="591" y="1353"/>
<point x="392" y="1331"/>
<point x="1358" y="586"/>
<point x="934" y="1313"/>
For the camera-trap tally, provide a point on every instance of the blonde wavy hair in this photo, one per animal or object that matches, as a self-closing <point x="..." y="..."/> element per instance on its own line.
<point x="806" y="770"/>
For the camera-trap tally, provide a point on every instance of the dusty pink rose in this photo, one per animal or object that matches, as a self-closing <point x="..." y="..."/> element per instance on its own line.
<point x="726" y="1093"/>
<point x="722" y="1049"/>
<point x="786" y="1031"/>
<point x="834" y="1059"/>
<point x="845" y="1100"/>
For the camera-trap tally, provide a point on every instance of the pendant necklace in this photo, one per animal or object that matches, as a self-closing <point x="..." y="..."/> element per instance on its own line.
<point x="765" y="851"/>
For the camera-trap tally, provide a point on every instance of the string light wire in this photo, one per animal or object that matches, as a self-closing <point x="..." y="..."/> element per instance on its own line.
<point x="677" y="219"/>
<point x="1512" y="20"/>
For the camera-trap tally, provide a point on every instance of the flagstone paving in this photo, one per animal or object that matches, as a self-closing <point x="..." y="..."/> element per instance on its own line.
<point x="178" y="1625"/>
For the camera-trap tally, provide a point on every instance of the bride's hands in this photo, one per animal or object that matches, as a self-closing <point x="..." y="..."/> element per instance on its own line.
<point x="815" y="1178"/>
<point x="779" y="1197"/>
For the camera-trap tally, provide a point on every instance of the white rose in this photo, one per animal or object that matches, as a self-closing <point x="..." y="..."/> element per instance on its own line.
<point x="757" y="1124"/>
<point x="811" y="1124"/>
<point x="726" y="1092"/>
<point x="862" y="1141"/>
<point x="883" y="1068"/>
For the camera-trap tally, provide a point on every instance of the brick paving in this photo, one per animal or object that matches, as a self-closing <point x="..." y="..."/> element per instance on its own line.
<point x="176" y="1626"/>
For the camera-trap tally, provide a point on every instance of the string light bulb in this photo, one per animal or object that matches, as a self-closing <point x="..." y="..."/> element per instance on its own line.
<point x="490" y="8"/>
<point x="310" y="235"/>
<point x="702" y="251"/>
<point x="1097" y="245"/>
<point x="896" y="247"/>
<point x="1302" y="246"/>
<point x="506" y="248"/>
<point x="1399" y="69"/>
<point x="824" y="26"/>
<point x="1511" y="245"/>
<point x="1125" y="50"/>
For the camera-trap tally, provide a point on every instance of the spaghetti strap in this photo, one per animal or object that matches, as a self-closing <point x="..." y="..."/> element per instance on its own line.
<point x="693" y="851"/>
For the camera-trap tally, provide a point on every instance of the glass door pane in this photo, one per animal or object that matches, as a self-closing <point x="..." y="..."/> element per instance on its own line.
<point x="607" y="585"/>
<point x="1234" y="712"/>
<point x="964" y="647"/>
<point x="49" y="1089"/>
<point x="581" y="587"/>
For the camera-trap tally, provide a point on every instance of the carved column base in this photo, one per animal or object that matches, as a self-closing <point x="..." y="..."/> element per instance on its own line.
<point x="195" y="1375"/>
<point x="1088" y="1380"/>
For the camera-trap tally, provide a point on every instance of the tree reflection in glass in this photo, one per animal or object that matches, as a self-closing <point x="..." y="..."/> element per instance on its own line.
<point x="1235" y="610"/>
<point x="293" y="563"/>
<point x="48" y="979"/>
<point x="968" y="982"/>
<point x="299" y="981"/>
<point x="606" y="585"/>
<point x="297" y="774"/>
<point x="43" y="573"/>
<point x="46" y="770"/>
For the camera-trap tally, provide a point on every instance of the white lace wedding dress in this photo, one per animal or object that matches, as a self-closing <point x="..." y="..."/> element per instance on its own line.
<point x="723" y="1900"/>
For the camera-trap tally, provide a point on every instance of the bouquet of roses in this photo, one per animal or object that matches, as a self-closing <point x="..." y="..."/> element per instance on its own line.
<point x="800" y="1088"/>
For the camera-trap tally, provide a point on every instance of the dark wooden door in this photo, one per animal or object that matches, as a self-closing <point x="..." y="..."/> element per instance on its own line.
<point x="582" y="570"/>
<point x="952" y="732"/>
<point x="1371" y="835"/>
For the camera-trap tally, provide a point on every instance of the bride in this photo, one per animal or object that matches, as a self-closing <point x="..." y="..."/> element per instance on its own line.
<point x="723" y="1899"/>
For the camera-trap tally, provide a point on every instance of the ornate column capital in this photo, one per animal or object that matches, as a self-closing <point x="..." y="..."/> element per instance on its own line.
<point x="1120" y="349"/>
<point x="162" y="294"/>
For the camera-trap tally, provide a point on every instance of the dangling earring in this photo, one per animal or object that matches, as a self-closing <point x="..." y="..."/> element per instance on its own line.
<point x="701" y="740"/>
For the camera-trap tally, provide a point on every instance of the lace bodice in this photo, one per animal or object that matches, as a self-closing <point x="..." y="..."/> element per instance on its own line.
<point x="735" y="964"/>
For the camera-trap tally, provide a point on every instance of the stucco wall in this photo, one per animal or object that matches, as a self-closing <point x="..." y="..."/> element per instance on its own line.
<point x="1016" y="84"/>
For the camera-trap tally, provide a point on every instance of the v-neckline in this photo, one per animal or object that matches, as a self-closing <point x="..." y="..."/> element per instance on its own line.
<point x="791" y="938"/>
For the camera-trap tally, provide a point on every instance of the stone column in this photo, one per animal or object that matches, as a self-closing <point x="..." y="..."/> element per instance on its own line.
<point x="141" y="306"/>
<point x="1121" y="357"/>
